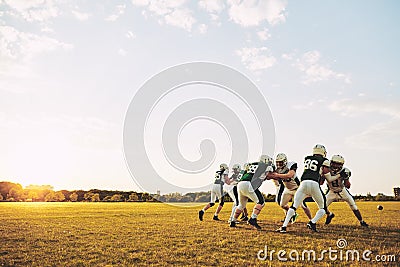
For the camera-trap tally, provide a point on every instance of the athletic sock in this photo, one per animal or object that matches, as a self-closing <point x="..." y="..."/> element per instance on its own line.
<point x="318" y="215"/>
<point x="289" y="215"/>
<point x="254" y="216"/>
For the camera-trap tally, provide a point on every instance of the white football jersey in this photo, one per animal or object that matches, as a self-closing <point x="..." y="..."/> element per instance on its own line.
<point x="338" y="184"/>
<point x="293" y="182"/>
<point x="220" y="176"/>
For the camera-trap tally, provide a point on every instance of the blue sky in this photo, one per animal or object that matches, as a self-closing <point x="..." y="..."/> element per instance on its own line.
<point x="68" y="70"/>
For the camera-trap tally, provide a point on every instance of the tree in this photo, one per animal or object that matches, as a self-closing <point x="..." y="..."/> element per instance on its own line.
<point x="133" y="197"/>
<point x="6" y="186"/>
<point x="33" y="195"/>
<point x="15" y="194"/>
<point x="59" y="196"/>
<point x="116" y="198"/>
<point x="50" y="197"/>
<point x="107" y="199"/>
<point x="95" y="197"/>
<point x="73" y="197"/>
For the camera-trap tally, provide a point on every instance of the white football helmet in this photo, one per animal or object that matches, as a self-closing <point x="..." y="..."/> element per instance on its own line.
<point x="266" y="159"/>
<point x="281" y="161"/>
<point x="326" y="163"/>
<point x="223" y="166"/>
<point x="236" y="167"/>
<point x="246" y="166"/>
<point x="319" y="150"/>
<point x="337" y="163"/>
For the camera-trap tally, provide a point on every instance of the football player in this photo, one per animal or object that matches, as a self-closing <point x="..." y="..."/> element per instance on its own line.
<point x="286" y="173"/>
<point x="221" y="177"/>
<point x="314" y="166"/>
<point x="248" y="188"/>
<point x="338" y="189"/>
<point x="279" y="191"/>
<point x="231" y="188"/>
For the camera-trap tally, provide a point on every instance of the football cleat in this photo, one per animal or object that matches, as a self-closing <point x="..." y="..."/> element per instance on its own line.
<point x="245" y="219"/>
<point x="294" y="217"/>
<point x="253" y="222"/>
<point x="201" y="213"/>
<point x="215" y="218"/>
<point x="329" y="218"/>
<point x="232" y="224"/>
<point x="312" y="226"/>
<point x="364" y="224"/>
<point x="281" y="230"/>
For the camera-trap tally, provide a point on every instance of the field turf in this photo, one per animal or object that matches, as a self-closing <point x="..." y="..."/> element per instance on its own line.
<point x="143" y="234"/>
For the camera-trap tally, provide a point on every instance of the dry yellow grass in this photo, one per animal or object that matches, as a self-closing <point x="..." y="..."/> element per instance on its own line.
<point x="143" y="234"/>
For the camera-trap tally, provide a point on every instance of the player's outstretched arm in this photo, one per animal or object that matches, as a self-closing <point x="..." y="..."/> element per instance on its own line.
<point x="347" y="183"/>
<point x="331" y="178"/>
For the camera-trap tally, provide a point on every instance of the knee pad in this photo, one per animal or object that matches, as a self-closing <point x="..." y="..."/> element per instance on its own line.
<point x="212" y="204"/>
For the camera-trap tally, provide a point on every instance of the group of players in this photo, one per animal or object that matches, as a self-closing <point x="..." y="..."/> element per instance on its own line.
<point x="244" y="184"/>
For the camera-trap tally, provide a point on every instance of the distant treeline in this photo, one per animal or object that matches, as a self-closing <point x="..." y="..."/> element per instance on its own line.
<point x="45" y="193"/>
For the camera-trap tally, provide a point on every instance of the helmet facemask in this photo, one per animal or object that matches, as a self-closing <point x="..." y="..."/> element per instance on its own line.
<point x="223" y="167"/>
<point x="336" y="166"/>
<point x="281" y="164"/>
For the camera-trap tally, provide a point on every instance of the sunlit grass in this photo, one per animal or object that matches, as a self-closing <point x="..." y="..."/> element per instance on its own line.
<point x="132" y="234"/>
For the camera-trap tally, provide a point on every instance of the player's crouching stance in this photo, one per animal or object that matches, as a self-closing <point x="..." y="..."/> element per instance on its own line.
<point x="337" y="189"/>
<point x="248" y="188"/>
<point x="231" y="188"/>
<point x="286" y="172"/>
<point x="221" y="177"/>
<point x="314" y="166"/>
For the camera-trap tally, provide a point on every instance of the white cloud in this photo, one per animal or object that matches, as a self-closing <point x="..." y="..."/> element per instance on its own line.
<point x="122" y="52"/>
<point x="163" y="7"/>
<point x="181" y="18"/>
<point x="119" y="10"/>
<point x="264" y="34"/>
<point x="382" y="136"/>
<point x="46" y="29"/>
<point x="287" y="56"/>
<point x="33" y="10"/>
<point x="251" y="13"/>
<point x="15" y="44"/>
<point x="203" y="28"/>
<point x="17" y="49"/>
<point x="256" y="58"/>
<point x="140" y="2"/>
<point x="314" y="71"/>
<point x="82" y="16"/>
<point x="362" y="106"/>
<point x="130" y="35"/>
<point x="171" y="12"/>
<point x="212" y="6"/>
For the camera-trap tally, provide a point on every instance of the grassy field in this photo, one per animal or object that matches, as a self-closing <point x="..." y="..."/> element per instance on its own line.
<point x="143" y="234"/>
